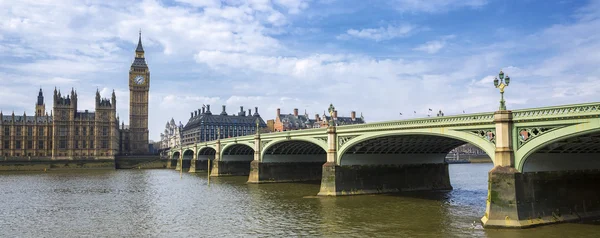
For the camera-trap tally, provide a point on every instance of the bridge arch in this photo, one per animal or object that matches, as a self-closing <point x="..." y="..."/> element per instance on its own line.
<point x="450" y="138"/>
<point x="188" y="154"/>
<point x="237" y="152"/>
<point x="580" y="143"/>
<point x="294" y="150"/>
<point x="270" y="144"/>
<point x="206" y="153"/>
<point x="175" y="155"/>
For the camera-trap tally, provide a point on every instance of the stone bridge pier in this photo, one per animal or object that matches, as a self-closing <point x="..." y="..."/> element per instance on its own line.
<point x="286" y="160"/>
<point x="543" y="173"/>
<point x="185" y="161"/>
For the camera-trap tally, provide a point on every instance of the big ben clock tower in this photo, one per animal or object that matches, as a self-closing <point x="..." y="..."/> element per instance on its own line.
<point x="139" y="85"/>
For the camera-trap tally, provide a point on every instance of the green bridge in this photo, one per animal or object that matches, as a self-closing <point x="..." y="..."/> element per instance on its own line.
<point x="546" y="160"/>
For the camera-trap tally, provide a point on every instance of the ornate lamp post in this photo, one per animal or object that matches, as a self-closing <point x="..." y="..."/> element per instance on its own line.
<point x="501" y="84"/>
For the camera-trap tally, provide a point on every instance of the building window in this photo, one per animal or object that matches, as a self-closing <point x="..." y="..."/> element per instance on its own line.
<point x="91" y="131"/>
<point x="6" y="144"/>
<point x="104" y="144"/>
<point x="19" y="131"/>
<point x="62" y="131"/>
<point x="40" y="131"/>
<point x="41" y="144"/>
<point x="84" y="145"/>
<point x="29" y="131"/>
<point x="91" y="144"/>
<point x="62" y="144"/>
<point x="18" y="144"/>
<point x="29" y="144"/>
<point x="6" y="131"/>
<point x="76" y="130"/>
<point x="104" y="131"/>
<point x="76" y="144"/>
<point x="84" y="130"/>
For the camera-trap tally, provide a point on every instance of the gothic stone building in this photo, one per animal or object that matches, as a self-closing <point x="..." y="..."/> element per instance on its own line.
<point x="68" y="133"/>
<point x="172" y="135"/>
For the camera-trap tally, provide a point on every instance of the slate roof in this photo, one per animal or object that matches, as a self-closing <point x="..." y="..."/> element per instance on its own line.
<point x="139" y="62"/>
<point x="86" y="115"/>
<point x="347" y="120"/>
<point x="139" y="46"/>
<point x="296" y="122"/>
<point x="28" y="119"/>
<point x="223" y="120"/>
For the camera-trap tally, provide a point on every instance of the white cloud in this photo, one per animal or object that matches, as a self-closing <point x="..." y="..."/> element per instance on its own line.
<point x="228" y="53"/>
<point x="434" y="6"/>
<point x="431" y="47"/>
<point x="202" y="3"/>
<point x="381" y="33"/>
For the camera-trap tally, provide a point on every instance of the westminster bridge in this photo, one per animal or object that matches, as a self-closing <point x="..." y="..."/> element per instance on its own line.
<point x="546" y="160"/>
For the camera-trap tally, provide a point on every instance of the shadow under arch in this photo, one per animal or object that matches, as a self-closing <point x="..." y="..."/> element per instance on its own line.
<point x="175" y="155"/>
<point x="452" y="137"/>
<point x="289" y="161"/>
<point x="576" y="150"/>
<point x="395" y="162"/>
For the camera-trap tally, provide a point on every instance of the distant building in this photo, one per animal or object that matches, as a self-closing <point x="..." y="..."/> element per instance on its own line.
<point x="204" y="126"/>
<point x="271" y="125"/>
<point x="295" y="121"/>
<point x="172" y="135"/>
<point x="68" y="134"/>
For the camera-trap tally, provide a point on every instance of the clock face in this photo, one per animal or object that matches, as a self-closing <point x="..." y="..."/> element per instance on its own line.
<point x="139" y="79"/>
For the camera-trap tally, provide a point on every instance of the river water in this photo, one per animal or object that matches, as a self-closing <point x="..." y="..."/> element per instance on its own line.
<point x="158" y="203"/>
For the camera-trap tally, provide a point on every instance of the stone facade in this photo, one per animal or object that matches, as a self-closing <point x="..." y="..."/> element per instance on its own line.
<point x="172" y="135"/>
<point x="68" y="133"/>
<point x="64" y="134"/>
<point x="204" y="126"/>
<point x="289" y="122"/>
<point x="139" y="87"/>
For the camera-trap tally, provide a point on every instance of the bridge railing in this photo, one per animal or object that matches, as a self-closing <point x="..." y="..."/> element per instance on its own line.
<point x="556" y="112"/>
<point x="476" y="118"/>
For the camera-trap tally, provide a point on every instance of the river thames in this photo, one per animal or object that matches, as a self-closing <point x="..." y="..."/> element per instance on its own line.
<point x="158" y="203"/>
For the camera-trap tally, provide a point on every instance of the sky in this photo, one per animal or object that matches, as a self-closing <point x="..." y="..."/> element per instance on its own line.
<point x="385" y="59"/>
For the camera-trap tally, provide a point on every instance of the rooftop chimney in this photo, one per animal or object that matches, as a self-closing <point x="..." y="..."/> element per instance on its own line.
<point x="353" y="115"/>
<point x="335" y="114"/>
<point x="278" y="112"/>
<point x="208" y="109"/>
<point x="317" y="117"/>
<point x="256" y="111"/>
<point x="295" y="112"/>
<point x="195" y="113"/>
<point x="203" y="109"/>
<point x="224" y="112"/>
<point x="249" y="112"/>
<point x="191" y="114"/>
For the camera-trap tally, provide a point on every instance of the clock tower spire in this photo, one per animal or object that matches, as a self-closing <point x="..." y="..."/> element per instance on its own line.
<point x="139" y="86"/>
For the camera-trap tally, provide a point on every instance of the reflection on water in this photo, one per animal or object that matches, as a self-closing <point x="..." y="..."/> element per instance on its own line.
<point x="157" y="203"/>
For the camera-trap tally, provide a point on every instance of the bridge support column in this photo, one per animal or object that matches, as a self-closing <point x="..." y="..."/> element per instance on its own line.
<point x="215" y="171"/>
<point x="520" y="200"/>
<point x="329" y="180"/>
<point x="255" y="168"/>
<point x="179" y="161"/>
<point x="193" y="162"/>
<point x="389" y="178"/>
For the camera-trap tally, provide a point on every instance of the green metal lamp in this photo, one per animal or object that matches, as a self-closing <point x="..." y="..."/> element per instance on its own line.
<point x="501" y="84"/>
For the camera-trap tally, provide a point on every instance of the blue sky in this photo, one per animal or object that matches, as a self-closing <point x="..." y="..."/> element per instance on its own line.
<point x="379" y="58"/>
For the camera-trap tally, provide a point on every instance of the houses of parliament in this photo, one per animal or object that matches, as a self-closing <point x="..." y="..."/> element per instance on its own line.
<point x="69" y="133"/>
